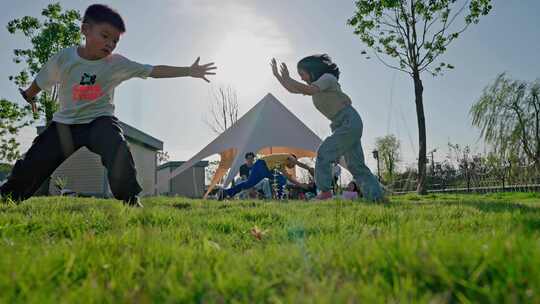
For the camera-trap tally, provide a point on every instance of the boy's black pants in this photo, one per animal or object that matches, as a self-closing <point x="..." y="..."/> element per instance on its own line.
<point x="102" y="136"/>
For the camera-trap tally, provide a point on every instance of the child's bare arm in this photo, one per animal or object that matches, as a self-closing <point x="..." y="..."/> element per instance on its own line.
<point x="33" y="90"/>
<point x="195" y="70"/>
<point x="296" y="85"/>
<point x="30" y="94"/>
<point x="290" y="84"/>
<point x="299" y="88"/>
<point x="291" y="89"/>
<point x="295" y="182"/>
<point x="302" y="165"/>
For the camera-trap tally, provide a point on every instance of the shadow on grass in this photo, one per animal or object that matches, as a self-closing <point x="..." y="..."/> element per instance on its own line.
<point x="493" y="206"/>
<point x="182" y="206"/>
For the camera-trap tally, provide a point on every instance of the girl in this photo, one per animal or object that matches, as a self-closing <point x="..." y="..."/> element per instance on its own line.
<point x="321" y="76"/>
<point x="351" y="193"/>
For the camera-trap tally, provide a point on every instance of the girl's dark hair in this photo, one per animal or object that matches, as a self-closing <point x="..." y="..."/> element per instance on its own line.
<point x="100" y="13"/>
<point x="355" y="186"/>
<point x="317" y="65"/>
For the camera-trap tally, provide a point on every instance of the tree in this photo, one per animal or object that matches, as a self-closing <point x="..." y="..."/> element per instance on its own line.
<point x="410" y="36"/>
<point x="59" y="30"/>
<point x="508" y="115"/>
<point x="162" y="157"/>
<point x="388" y="147"/>
<point x="12" y="119"/>
<point x="223" y="109"/>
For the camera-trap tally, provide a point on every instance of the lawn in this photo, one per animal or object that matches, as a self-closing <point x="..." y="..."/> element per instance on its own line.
<point x="430" y="249"/>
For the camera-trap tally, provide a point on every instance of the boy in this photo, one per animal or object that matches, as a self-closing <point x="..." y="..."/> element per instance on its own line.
<point x="86" y="77"/>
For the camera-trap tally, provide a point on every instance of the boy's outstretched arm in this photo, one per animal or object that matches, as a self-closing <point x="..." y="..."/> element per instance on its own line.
<point x="195" y="70"/>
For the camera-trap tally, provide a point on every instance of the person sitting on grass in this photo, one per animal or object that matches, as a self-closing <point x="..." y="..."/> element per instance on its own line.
<point x="263" y="186"/>
<point x="352" y="192"/>
<point x="302" y="190"/>
<point x="273" y="167"/>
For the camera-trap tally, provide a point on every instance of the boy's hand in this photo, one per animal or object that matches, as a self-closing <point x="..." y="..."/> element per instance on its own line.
<point x="31" y="101"/>
<point x="201" y="71"/>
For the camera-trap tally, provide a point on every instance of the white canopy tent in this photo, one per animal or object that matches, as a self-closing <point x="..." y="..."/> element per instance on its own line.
<point x="269" y="127"/>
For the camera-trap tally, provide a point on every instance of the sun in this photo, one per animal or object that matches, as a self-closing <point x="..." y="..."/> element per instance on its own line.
<point x="243" y="58"/>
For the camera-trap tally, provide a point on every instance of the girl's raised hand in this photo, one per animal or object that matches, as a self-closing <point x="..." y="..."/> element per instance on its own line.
<point x="273" y="64"/>
<point x="284" y="71"/>
<point x="201" y="71"/>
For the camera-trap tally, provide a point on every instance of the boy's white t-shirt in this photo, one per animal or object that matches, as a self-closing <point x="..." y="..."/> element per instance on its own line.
<point x="86" y="87"/>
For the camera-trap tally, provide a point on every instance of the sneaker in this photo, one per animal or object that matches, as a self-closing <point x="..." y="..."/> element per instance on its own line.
<point x="134" y="202"/>
<point x="384" y="200"/>
<point x="324" y="196"/>
<point x="221" y="195"/>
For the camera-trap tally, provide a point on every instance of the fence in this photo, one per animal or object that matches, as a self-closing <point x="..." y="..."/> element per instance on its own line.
<point x="509" y="178"/>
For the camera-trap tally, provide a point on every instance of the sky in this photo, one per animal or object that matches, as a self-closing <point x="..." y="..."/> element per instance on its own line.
<point x="242" y="36"/>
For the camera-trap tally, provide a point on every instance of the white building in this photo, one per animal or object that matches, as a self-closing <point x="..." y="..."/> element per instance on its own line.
<point x="190" y="183"/>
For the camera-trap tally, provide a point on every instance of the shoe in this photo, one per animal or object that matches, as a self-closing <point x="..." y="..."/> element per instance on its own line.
<point x="384" y="200"/>
<point x="134" y="202"/>
<point x="221" y="195"/>
<point x="324" y="196"/>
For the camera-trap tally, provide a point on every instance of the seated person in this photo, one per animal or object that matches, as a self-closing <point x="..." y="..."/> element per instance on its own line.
<point x="300" y="190"/>
<point x="246" y="167"/>
<point x="263" y="186"/>
<point x="273" y="167"/>
<point x="352" y="191"/>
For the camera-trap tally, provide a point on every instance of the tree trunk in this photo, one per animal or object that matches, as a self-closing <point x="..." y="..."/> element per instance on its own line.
<point x="422" y="159"/>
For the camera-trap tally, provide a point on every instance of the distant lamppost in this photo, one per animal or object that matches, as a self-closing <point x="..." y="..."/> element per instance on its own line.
<point x="376" y="156"/>
<point x="432" y="161"/>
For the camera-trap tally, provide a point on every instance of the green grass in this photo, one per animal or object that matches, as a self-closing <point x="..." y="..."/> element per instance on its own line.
<point x="431" y="249"/>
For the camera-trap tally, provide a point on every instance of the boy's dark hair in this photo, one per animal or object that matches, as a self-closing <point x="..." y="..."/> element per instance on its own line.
<point x="317" y="65"/>
<point x="100" y="13"/>
<point x="249" y="154"/>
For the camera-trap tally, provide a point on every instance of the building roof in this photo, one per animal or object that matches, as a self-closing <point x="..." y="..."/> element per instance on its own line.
<point x="134" y="135"/>
<point x="176" y="164"/>
<point x="141" y="137"/>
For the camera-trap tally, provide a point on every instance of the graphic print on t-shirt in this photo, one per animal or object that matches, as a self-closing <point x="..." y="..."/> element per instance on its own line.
<point x="87" y="79"/>
<point x="87" y="89"/>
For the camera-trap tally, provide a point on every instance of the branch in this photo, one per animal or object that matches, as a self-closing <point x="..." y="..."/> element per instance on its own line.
<point x="212" y="127"/>
<point x="426" y="30"/>
<point x="446" y="25"/>
<point x="437" y="54"/>
<point x="522" y="127"/>
<point x="459" y="12"/>
<point x="415" y="37"/>
<point x="390" y="66"/>
<point x="401" y="29"/>
<point x="410" y="43"/>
